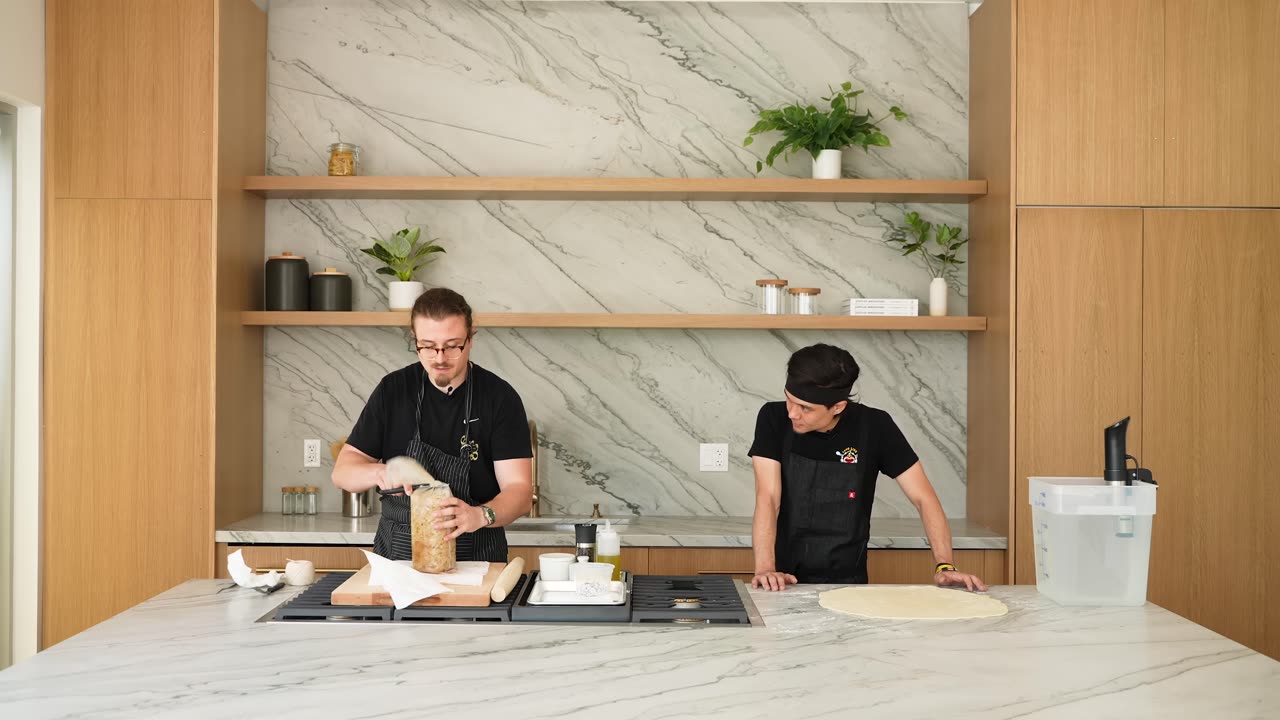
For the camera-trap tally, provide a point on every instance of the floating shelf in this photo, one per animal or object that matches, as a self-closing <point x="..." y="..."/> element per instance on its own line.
<point x="633" y="321"/>
<point x="613" y="188"/>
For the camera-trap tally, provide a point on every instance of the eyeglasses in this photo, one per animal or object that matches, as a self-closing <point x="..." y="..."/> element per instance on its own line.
<point x="450" y="352"/>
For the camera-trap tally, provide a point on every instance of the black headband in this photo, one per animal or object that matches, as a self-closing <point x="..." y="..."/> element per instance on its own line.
<point x="818" y="395"/>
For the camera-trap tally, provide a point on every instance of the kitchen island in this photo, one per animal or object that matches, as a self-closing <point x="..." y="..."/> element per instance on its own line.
<point x="198" y="650"/>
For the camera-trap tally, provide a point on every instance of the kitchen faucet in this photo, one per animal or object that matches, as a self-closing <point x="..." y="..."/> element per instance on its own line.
<point x="534" y="509"/>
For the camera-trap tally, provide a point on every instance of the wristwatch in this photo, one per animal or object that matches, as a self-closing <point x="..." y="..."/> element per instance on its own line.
<point x="489" y="515"/>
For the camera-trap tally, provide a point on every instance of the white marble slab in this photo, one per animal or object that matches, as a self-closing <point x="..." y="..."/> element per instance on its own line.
<point x="195" y="653"/>
<point x="333" y="529"/>
<point x="614" y="89"/>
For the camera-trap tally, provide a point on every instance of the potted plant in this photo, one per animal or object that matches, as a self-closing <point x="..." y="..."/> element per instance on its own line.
<point x="402" y="256"/>
<point x="822" y="132"/>
<point x="939" y="257"/>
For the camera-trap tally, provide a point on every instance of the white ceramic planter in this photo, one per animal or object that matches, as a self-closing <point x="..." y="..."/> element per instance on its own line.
<point x="827" y="165"/>
<point x="938" y="297"/>
<point x="403" y="295"/>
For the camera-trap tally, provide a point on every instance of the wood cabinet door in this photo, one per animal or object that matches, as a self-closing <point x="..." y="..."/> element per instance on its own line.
<point x="1090" y="87"/>
<point x="915" y="567"/>
<point x="728" y="562"/>
<point x="326" y="558"/>
<point x="1211" y="405"/>
<point x="1222" y="68"/>
<point x="1078" y="348"/>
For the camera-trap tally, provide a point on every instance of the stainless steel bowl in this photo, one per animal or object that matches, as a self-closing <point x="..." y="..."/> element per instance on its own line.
<point x="361" y="504"/>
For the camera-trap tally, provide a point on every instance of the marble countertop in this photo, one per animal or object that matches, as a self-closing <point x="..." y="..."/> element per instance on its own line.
<point x="195" y="652"/>
<point x="333" y="529"/>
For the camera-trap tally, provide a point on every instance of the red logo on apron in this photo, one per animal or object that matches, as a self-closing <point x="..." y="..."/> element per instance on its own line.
<point x="853" y="494"/>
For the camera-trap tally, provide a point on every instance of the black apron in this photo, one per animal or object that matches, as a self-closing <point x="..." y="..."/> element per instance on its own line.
<point x="394" y="538"/>
<point x="824" y="520"/>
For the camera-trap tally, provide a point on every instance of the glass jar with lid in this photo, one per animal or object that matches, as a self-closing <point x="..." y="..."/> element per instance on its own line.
<point x="804" y="301"/>
<point x="770" y="293"/>
<point x="313" y="499"/>
<point x="344" y="159"/>
<point x="287" y="505"/>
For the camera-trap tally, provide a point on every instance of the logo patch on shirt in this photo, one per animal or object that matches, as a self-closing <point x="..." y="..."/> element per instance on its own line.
<point x="853" y="494"/>
<point x="849" y="455"/>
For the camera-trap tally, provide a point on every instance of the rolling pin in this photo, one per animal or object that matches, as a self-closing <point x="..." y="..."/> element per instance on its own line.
<point x="507" y="579"/>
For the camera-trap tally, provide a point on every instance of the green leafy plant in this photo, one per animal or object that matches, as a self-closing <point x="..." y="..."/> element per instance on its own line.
<point x="940" y="255"/>
<point x="805" y="127"/>
<point x="401" y="254"/>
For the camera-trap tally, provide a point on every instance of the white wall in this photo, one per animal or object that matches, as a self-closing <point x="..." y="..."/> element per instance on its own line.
<point x="22" y="85"/>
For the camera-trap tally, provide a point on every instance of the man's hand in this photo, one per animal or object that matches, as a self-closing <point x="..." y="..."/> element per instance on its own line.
<point x="953" y="578"/>
<point x="773" y="580"/>
<point x="381" y="481"/>
<point x="456" y="515"/>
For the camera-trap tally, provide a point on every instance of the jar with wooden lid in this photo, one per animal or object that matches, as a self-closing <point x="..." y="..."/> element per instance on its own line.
<point x="804" y="301"/>
<point x="287" y="282"/>
<point x="331" y="291"/>
<point x="344" y="159"/>
<point x="770" y="293"/>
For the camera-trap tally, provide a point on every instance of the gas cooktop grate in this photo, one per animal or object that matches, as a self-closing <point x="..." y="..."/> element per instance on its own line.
<point x="313" y="604"/>
<point x="703" y="599"/>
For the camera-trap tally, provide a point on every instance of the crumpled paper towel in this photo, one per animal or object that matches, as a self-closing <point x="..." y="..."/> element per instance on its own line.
<point x="406" y="585"/>
<point x="245" y="576"/>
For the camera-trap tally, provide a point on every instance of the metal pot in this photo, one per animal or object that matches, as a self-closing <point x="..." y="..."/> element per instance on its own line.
<point x="361" y="504"/>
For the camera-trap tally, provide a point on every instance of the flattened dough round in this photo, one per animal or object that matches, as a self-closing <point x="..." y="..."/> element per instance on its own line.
<point x="911" y="602"/>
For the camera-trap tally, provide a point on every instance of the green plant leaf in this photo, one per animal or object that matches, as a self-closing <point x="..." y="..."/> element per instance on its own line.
<point x="747" y="142"/>
<point x="846" y="86"/>
<point x="898" y="113"/>
<point x="385" y="271"/>
<point x="878" y="139"/>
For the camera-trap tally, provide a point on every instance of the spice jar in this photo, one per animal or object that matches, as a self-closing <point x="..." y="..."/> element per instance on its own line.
<point x="287" y="282"/>
<point x="770" y="300"/>
<point x="313" y="499"/>
<point x="331" y="291"/>
<point x="287" y="505"/>
<point x="343" y="158"/>
<point x="804" y="300"/>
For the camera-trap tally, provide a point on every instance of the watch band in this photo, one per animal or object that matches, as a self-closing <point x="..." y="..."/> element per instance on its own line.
<point x="489" y="515"/>
<point x="944" y="566"/>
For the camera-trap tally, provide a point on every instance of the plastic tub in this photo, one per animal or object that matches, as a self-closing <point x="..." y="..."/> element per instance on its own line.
<point x="1092" y="540"/>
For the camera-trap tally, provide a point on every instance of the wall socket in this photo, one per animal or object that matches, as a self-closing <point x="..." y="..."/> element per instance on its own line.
<point x="713" y="457"/>
<point x="310" y="453"/>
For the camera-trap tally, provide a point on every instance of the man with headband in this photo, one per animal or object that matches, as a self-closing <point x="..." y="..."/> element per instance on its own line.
<point x="816" y="457"/>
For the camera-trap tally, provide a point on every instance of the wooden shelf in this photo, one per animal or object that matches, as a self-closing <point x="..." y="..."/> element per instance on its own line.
<point x="591" y="188"/>
<point x="633" y="321"/>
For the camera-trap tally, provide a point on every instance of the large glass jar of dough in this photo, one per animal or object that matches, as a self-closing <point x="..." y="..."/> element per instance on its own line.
<point x="433" y="552"/>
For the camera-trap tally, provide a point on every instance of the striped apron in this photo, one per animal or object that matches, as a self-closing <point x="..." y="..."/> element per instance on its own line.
<point x="394" y="538"/>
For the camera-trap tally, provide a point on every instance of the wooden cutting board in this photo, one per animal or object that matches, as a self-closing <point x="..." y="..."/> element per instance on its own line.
<point x="357" y="591"/>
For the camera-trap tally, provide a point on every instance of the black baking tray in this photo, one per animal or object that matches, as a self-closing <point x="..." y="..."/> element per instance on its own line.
<point x="522" y="611"/>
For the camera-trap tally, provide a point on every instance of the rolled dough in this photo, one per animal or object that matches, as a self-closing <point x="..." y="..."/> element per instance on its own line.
<point x="911" y="602"/>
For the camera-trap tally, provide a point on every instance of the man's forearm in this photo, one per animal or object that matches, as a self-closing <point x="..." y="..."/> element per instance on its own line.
<point x="764" y="531"/>
<point x="511" y="503"/>
<point x="936" y="529"/>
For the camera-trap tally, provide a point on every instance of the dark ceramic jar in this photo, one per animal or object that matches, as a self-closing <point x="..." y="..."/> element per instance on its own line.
<point x="287" y="282"/>
<point x="331" y="291"/>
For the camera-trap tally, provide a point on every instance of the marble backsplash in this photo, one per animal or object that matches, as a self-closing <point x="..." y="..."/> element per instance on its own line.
<point x="613" y="89"/>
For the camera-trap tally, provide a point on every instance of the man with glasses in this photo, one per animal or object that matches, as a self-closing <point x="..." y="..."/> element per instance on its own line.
<point x="464" y="424"/>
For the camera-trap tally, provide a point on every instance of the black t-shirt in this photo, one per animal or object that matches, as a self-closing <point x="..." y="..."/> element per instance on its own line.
<point x="887" y="451"/>
<point x="498" y="422"/>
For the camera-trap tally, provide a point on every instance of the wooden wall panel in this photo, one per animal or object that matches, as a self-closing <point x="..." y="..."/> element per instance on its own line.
<point x="134" y="98"/>
<point x="1090" y="102"/>
<point x="989" y="461"/>
<point x="239" y="227"/>
<point x="1079" y="362"/>
<point x="1222" y="68"/>
<point x="1211" y="405"/>
<point x="126" y="439"/>
<point x="342" y="558"/>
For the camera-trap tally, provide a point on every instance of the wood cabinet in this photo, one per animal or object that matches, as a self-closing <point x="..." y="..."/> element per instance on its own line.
<point x="1090" y="86"/>
<point x="153" y="386"/>
<point x="1222" y="67"/>
<point x="326" y="558"/>
<point x="1079" y="346"/>
<point x="1211" y="409"/>
<point x="911" y="567"/>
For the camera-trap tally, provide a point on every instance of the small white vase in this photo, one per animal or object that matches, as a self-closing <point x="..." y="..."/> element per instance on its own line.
<point x="827" y="165"/>
<point x="403" y="295"/>
<point x="938" y="297"/>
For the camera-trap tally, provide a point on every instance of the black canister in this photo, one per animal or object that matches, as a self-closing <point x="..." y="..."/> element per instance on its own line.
<point x="287" y="282"/>
<point x="585" y="537"/>
<point x="331" y="291"/>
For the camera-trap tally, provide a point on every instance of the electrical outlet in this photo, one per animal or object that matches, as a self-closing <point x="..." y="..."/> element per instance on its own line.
<point x="310" y="453"/>
<point x="713" y="457"/>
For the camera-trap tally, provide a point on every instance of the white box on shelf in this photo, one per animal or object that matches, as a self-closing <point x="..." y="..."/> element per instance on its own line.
<point x="897" y="307"/>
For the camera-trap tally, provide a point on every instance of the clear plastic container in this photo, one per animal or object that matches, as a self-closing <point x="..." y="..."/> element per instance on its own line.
<point x="771" y="293"/>
<point x="432" y="552"/>
<point x="1092" y="540"/>
<point x="804" y="301"/>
